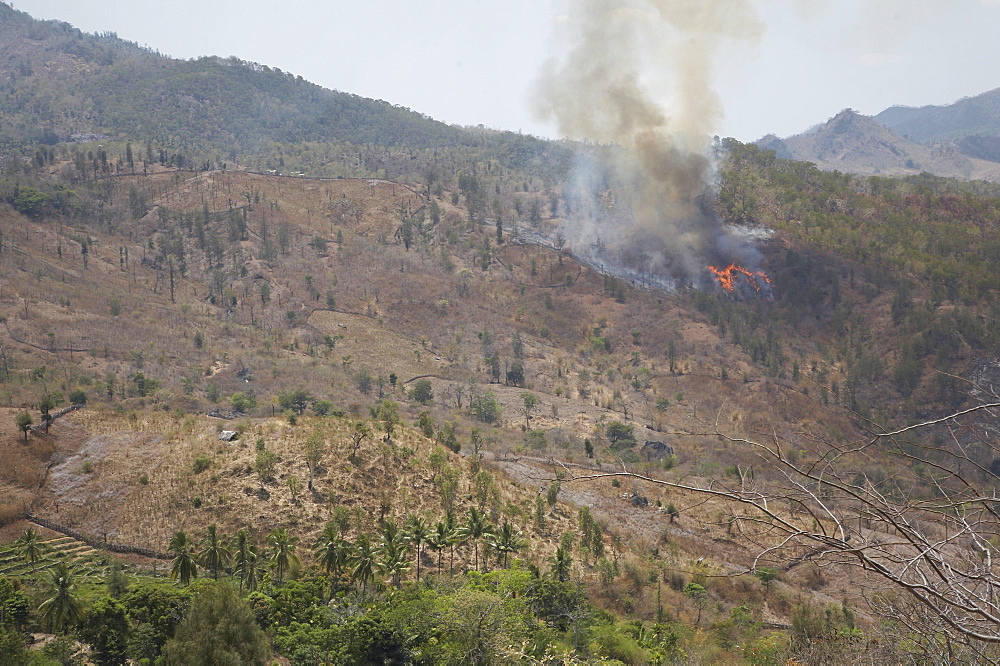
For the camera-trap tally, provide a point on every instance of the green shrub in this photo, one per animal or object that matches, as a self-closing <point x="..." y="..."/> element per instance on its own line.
<point x="201" y="463"/>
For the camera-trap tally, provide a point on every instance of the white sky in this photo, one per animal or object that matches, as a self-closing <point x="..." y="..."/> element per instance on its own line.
<point x="474" y="61"/>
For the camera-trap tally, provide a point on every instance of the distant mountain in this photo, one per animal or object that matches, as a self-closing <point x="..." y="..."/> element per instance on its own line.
<point x="977" y="116"/>
<point x="855" y="143"/>
<point x="960" y="140"/>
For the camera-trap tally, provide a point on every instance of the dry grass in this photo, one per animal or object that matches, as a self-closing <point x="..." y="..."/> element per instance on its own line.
<point x="390" y="481"/>
<point x="375" y="346"/>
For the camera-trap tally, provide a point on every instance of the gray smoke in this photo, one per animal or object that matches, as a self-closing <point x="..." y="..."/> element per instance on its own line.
<point x="636" y="83"/>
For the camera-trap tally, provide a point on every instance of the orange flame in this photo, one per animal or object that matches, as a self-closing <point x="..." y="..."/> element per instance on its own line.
<point x="727" y="276"/>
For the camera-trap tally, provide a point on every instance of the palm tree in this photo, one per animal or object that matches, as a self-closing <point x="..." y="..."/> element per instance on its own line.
<point x="455" y="537"/>
<point x="439" y="540"/>
<point x="505" y="541"/>
<point x="362" y="562"/>
<point x="282" y="551"/>
<point x="392" y="552"/>
<point x="562" y="564"/>
<point x="249" y="570"/>
<point x="241" y="546"/>
<point x="332" y="551"/>
<point x="419" y="533"/>
<point x="214" y="553"/>
<point x="63" y="609"/>
<point x="184" y="567"/>
<point x="475" y="528"/>
<point x="30" y="546"/>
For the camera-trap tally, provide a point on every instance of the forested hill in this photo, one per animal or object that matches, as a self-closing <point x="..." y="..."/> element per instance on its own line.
<point x="58" y="81"/>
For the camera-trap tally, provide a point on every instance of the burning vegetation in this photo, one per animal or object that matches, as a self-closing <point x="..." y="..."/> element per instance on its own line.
<point x="732" y="276"/>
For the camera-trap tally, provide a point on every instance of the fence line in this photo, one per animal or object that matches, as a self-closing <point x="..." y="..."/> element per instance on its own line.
<point x="94" y="542"/>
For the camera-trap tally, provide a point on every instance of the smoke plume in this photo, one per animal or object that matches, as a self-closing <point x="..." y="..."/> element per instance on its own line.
<point x="635" y="83"/>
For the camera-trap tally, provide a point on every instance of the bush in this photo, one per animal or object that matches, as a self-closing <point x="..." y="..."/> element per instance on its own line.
<point x="296" y="400"/>
<point x="322" y="408"/>
<point x="201" y="463"/>
<point x="78" y="397"/>
<point x="536" y="439"/>
<point x="243" y="401"/>
<point x="426" y="423"/>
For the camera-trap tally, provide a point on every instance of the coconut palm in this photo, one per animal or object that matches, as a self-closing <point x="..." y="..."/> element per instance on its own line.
<point x="363" y="562"/>
<point x="476" y="526"/>
<point x="249" y="568"/>
<point x="455" y="537"/>
<point x="504" y="541"/>
<point x="392" y="552"/>
<point x="562" y="564"/>
<point x="240" y="548"/>
<point x="30" y="546"/>
<point x="332" y="551"/>
<point x="418" y="532"/>
<point x="214" y="553"/>
<point x="63" y="609"/>
<point x="282" y="551"/>
<point x="439" y="540"/>
<point x="183" y="567"/>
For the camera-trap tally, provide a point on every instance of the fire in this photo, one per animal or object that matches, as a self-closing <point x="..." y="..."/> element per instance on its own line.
<point x="727" y="276"/>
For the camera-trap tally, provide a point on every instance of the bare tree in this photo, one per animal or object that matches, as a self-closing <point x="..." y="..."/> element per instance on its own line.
<point x="926" y="532"/>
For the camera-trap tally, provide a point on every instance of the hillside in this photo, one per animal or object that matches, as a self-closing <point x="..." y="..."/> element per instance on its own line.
<point x="341" y="358"/>
<point x="62" y="83"/>
<point x="165" y="296"/>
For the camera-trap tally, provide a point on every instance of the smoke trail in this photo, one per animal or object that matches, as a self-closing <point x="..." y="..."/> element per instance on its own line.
<point x="637" y="81"/>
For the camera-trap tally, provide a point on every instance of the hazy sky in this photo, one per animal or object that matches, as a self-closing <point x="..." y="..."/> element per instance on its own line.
<point x="474" y="61"/>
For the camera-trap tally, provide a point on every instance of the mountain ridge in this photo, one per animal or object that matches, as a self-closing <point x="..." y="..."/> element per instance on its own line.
<point x="860" y="144"/>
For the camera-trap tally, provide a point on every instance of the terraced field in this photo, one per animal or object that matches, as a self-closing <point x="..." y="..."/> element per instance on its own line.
<point x="91" y="565"/>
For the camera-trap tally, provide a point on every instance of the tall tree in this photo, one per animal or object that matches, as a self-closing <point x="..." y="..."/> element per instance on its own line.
<point x="282" y="551"/>
<point x="562" y="564"/>
<point x="315" y="448"/>
<point x="439" y="540"/>
<point x="63" y="609"/>
<point x="530" y="402"/>
<point x="45" y="406"/>
<point x="215" y="554"/>
<point x="392" y="552"/>
<point x="475" y="527"/>
<point x="241" y="550"/>
<point x="363" y="562"/>
<point x="388" y="415"/>
<point x="332" y="551"/>
<point x="106" y="628"/>
<point x="418" y="532"/>
<point x="29" y="545"/>
<point x="24" y="422"/>
<point x="183" y="567"/>
<point x="506" y="540"/>
<point x="219" y="628"/>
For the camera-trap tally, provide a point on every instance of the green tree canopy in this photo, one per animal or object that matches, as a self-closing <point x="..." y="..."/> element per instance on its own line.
<point x="218" y="630"/>
<point x="422" y="391"/>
